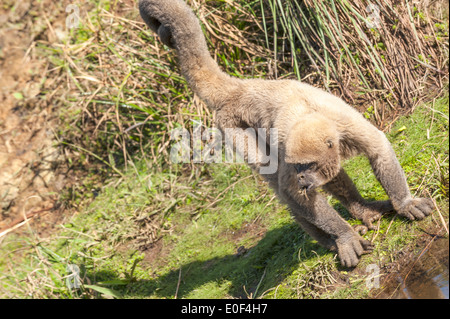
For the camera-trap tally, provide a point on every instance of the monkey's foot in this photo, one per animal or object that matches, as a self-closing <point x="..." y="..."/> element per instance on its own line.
<point x="416" y="208"/>
<point x="360" y="229"/>
<point x="350" y="247"/>
<point x="370" y="212"/>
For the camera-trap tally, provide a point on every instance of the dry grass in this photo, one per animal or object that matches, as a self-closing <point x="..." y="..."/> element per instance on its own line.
<point x="125" y="94"/>
<point x="386" y="68"/>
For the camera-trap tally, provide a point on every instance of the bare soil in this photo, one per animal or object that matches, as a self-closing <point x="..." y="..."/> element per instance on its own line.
<point x="30" y="163"/>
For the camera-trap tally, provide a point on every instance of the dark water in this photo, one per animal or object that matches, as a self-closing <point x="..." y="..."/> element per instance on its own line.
<point x="426" y="277"/>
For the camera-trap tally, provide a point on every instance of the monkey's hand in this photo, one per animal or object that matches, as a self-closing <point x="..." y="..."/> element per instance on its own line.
<point x="350" y="247"/>
<point x="416" y="208"/>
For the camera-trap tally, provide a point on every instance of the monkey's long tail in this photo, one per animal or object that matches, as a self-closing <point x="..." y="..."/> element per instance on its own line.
<point x="200" y="70"/>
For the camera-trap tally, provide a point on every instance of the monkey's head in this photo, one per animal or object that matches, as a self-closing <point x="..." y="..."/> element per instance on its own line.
<point x="312" y="148"/>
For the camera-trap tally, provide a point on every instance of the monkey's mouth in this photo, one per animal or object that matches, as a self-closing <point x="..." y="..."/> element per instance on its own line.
<point x="306" y="188"/>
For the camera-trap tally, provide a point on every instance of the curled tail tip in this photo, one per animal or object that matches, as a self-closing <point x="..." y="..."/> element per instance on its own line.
<point x="143" y="11"/>
<point x="148" y="13"/>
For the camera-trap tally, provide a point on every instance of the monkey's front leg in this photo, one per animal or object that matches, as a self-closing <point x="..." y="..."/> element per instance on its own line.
<point x="325" y="225"/>
<point x="390" y="174"/>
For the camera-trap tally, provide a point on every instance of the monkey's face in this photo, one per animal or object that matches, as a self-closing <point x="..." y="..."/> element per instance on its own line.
<point x="312" y="149"/>
<point x="313" y="175"/>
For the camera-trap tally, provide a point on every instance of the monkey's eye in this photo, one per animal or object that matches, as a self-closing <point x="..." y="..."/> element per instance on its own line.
<point x="330" y="143"/>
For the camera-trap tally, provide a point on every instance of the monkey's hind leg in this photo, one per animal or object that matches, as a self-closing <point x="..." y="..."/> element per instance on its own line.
<point x="343" y="188"/>
<point x="325" y="225"/>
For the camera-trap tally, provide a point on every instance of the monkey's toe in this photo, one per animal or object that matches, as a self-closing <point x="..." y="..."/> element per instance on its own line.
<point x="360" y="229"/>
<point x="368" y="219"/>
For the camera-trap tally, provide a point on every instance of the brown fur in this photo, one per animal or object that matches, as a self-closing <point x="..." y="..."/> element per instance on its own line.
<point x="316" y="130"/>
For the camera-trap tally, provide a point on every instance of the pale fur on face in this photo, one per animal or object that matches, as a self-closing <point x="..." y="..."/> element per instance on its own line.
<point x="312" y="147"/>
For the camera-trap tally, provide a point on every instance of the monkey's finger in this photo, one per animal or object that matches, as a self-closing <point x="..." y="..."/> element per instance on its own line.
<point x="357" y="248"/>
<point x="368" y="250"/>
<point x="348" y="257"/>
<point x="367" y="246"/>
<point x="354" y="259"/>
<point x="426" y="206"/>
<point x="350" y="260"/>
<point x="417" y="213"/>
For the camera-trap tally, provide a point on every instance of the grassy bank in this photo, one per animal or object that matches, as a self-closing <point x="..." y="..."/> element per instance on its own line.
<point x="138" y="226"/>
<point x="165" y="234"/>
